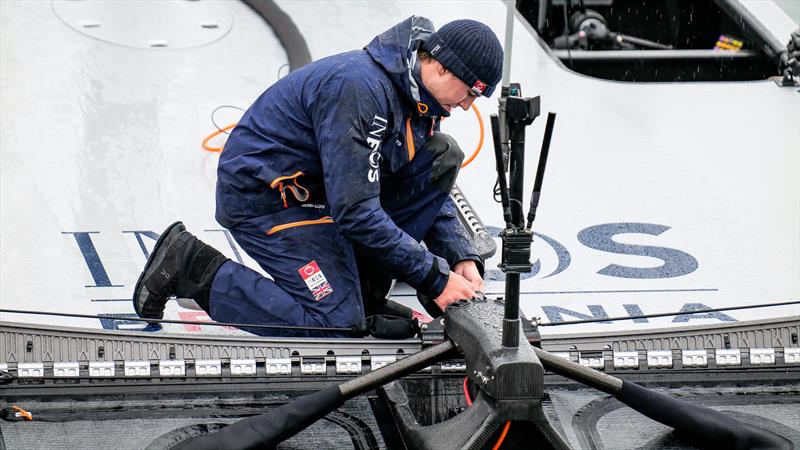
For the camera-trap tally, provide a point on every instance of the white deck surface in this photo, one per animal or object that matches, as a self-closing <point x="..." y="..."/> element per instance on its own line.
<point x="101" y="142"/>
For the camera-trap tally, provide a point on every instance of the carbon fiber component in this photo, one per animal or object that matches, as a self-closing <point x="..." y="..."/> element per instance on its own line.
<point x="511" y="382"/>
<point x="476" y="427"/>
<point x="269" y="429"/>
<point x="26" y="343"/>
<point x="782" y="332"/>
<point x="699" y="425"/>
<point x="437" y="397"/>
<point x="47" y="344"/>
<point x="505" y="373"/>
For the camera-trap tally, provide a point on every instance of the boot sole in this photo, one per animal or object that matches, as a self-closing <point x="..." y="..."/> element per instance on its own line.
<point x="153" y="261"/>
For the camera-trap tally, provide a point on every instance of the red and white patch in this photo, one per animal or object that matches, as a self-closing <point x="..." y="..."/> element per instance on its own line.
<point x="479" y="86"/>
<point x="315" y="280"/>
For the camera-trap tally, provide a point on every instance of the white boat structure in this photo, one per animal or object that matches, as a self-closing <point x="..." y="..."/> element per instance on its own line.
<point x="672" y="195"/>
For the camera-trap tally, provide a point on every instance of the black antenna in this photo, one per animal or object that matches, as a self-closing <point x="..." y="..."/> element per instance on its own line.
<point x="537" y="185"/>
<point x="501" y="174"/>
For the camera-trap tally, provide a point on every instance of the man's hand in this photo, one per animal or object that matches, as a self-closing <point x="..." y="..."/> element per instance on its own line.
<point x="457" y="288"/>
<point x="469" y="270"/>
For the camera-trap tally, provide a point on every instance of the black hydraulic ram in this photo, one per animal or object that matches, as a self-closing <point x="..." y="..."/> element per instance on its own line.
<point x="537" y="184"/>
<point x="698" y="425"/>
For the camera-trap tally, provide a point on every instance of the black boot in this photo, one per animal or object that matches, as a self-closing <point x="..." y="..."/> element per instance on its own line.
<point x="154" y="284"/>
<point x="388" y="308"/>
<point x="180" y="265"/>
<point x="199" y="268"/>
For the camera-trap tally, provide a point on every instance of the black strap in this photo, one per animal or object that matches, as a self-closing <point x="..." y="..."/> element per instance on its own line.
<point x="392" y="327"/>
<point x="430" y="306"/>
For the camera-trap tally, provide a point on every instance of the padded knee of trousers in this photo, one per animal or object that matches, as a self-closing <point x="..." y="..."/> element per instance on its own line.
<point x="447" y="159"/>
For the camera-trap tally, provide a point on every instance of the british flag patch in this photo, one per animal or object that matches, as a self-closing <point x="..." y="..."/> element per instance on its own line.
<point x="315" y="280"/>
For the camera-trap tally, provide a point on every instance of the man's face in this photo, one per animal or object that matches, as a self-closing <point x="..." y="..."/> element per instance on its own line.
<point x="445" y="87"/>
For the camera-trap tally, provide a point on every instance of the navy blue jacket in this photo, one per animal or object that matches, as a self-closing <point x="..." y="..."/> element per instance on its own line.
<point x="342" y="123"/>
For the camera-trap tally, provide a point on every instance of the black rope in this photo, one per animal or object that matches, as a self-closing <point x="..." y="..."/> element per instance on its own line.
<point x="358" y="332"/>
<point x="680" y="313"/>
<point x="280" y="69"/>
<point x="219" y="128"/>
<point x="354" y="330"/>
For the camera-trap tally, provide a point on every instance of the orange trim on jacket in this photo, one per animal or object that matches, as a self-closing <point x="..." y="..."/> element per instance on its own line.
<point x="410" y="140"/>
<point x="300" y="223"/>
<point x="287" y="177"/>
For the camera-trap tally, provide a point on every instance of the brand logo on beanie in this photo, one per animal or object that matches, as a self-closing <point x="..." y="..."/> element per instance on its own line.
<point x="479" y="87"/>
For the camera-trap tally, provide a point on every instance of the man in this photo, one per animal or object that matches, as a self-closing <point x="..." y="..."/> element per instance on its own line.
<point x="331" y="181"/>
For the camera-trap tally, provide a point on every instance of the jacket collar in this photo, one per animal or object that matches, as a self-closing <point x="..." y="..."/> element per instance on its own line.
<point x="396" y="51"/>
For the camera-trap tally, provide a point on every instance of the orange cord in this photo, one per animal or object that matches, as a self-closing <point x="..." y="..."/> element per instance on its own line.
<point x="502" y="436"/>
<point x="212" y="136"/>
<point x="19" y="412"/>
<point x="505" y="428"/>
<point x="480" y="140"/>
<point x="466" y="393"/>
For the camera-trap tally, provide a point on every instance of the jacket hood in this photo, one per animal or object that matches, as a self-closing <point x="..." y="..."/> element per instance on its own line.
<point x="396" y="51"/>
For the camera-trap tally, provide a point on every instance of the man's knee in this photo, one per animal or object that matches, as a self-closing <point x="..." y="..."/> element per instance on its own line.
<point x="447" y="159"/>
<point x="446" y="150"/>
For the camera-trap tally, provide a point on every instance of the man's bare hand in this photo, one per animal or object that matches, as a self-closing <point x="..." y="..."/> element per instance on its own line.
<point x="457" y="288"/>
<point x="469" y="270"/>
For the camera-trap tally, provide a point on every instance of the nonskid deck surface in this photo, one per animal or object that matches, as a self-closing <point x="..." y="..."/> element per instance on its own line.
<point x="659" y="197"/>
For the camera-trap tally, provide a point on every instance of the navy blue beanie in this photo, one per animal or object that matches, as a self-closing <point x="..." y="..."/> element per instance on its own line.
<point x="471" y="51"/>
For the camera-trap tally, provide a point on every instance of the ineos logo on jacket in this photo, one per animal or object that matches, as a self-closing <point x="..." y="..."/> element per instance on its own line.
<point x="374" y="141"/>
